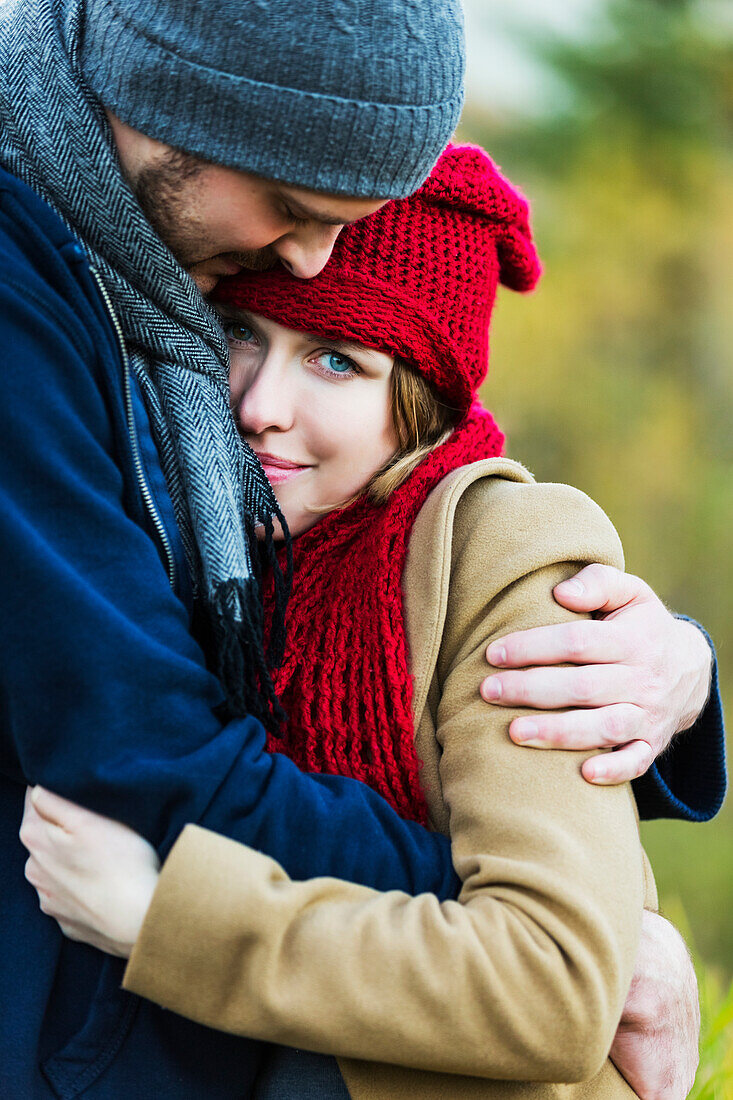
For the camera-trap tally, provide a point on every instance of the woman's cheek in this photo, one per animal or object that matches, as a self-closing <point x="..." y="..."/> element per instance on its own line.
<point x="333" y="422"/>
<point x="238" y="376"/>
<point x="350" y="431"/>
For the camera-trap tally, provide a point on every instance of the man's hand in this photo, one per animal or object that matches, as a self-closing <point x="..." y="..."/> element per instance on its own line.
<point x="656" y="1045"/>
<point x="94" y="876"/>
<point x="640" y="677"/>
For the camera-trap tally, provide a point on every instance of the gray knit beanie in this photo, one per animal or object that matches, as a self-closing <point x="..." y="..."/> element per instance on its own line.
<point x="353" y="97"/>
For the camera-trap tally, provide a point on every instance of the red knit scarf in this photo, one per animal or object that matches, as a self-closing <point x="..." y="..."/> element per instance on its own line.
<point x="345" y="680"/>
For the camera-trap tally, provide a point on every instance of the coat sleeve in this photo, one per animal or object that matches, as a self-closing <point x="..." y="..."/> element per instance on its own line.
<point x="524" y="977"/>
<point x="105" y="696"/>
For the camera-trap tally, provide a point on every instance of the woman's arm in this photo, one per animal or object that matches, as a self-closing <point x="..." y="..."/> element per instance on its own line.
<point x="656" y="1044"/>
<point x="526" y="976"/>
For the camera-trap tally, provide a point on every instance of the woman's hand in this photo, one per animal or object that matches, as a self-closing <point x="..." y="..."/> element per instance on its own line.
<point x="656" y="1045"/>
<point x="93" y="875"/>
<point x="641" y="675"/>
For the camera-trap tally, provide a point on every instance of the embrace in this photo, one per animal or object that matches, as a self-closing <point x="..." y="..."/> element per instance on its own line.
<point x="283" y="624"/>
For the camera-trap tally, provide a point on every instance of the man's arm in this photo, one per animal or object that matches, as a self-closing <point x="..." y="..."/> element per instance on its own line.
<point x="640" y="676"/>
<point x="108" y="700"/>
<point x="551" y="865"/>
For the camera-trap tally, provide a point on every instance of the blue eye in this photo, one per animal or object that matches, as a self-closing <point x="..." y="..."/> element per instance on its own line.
<point x="331" y="364"/>
<point x="339" y="363"/>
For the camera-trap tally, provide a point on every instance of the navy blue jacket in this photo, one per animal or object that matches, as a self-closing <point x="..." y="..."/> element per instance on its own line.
<point x="106" y="698"/>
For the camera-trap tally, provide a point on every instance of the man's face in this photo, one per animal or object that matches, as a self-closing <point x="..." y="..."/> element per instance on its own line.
<point x="218" y="220"/>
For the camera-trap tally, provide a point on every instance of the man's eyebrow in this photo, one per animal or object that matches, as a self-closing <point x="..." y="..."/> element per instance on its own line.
<point x="301" y="210"/>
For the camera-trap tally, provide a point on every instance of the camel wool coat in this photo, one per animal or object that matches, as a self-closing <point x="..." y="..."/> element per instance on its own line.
<point x="515" y="989"/>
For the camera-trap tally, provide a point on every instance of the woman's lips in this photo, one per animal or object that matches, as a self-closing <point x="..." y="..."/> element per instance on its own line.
<point x="279" y="469"/>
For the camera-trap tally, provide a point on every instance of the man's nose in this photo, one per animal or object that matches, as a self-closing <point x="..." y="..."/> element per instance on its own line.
<point x="307" y="252"/>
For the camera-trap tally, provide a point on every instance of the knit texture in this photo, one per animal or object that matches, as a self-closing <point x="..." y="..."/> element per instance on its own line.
<point x="345" y="680"/>
<point x="417" y="279"/>
<point x="54" y="137"/>
<point x="353" y="97"/>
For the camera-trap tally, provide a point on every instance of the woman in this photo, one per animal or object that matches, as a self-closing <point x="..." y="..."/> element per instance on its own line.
<point x="415" y="545"/>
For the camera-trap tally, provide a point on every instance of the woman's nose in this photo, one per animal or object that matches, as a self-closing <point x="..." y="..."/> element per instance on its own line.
<point x="264" y="403"/>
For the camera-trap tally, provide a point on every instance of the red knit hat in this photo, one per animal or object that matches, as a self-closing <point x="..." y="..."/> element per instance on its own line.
<point x="418" y="278"/>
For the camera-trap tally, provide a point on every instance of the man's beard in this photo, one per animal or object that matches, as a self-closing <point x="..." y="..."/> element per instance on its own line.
<point x="161" y="189"/>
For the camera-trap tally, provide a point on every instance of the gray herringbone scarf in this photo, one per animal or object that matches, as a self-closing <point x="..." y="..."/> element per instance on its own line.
<point x="55" y="137"/>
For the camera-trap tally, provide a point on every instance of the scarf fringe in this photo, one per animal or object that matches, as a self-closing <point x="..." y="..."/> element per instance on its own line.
<point x="249" y="645"/>
<point x="235" y="614"/>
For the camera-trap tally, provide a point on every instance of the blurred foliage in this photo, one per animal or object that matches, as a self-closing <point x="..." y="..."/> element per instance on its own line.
<point x="714" y="1078"/>
<point x="616" y="374"/>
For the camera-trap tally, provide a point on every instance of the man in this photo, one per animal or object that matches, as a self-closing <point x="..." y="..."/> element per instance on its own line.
<point x="128" y="496"/>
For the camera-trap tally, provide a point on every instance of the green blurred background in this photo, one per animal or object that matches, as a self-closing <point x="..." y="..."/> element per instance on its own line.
<point x="615" y="118"/>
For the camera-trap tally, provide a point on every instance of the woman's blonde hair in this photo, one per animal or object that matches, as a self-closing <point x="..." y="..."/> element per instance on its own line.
<point x="422" y="423"/>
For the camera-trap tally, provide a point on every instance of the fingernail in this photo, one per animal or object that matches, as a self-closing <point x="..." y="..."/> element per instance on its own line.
<point x="496" y="654"/>
<point x="574" y="588"/>
<point x="524" y="730"/>
<point x="599" y="772"/>
<point x="492" y="688"/>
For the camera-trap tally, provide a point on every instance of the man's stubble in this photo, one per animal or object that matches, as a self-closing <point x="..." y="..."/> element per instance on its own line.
<point x="166" y="194"/>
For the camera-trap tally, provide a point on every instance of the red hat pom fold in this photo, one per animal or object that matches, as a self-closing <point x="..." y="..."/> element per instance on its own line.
<point x="418" y="278"/>
<point x="519" y="265"/>
<point x="466" y="178"/>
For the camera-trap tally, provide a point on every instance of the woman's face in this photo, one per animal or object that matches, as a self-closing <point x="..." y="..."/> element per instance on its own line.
<point x="317" y="412"/>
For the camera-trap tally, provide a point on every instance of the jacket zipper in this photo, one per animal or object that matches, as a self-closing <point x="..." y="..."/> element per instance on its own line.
<point x="132" y="431"/>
